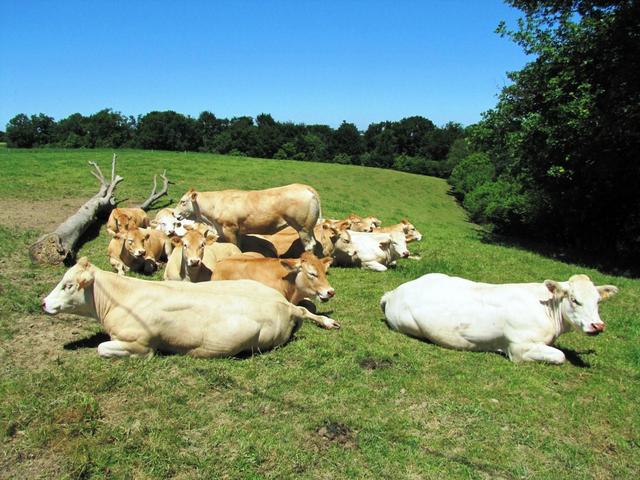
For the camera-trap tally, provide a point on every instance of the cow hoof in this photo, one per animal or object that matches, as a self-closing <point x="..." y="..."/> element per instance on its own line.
<point x="330" y="324"/>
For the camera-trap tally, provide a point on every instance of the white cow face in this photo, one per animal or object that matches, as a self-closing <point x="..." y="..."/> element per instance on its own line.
<point x="72" y="294"/>
<point x="579" y="302"/>
<point x="398" y="245"/>
<point x="185" y="207"/>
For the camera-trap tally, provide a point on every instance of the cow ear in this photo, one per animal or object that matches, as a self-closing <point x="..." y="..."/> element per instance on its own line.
<point x="556" y="289"/>
<point x="326" y="261"/>
<point x="385" y="243"/>
<point x="211" y="237"/>
<point x="85" y="279"/>
<point x="118" y="235"/>
<point x="291" y="266"/>
<point x="193" y="195"/>
<point x="607" y="291"/>
<point x="147" y="235"/>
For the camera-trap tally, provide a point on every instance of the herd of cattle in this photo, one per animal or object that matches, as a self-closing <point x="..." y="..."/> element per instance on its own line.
<point x="240" y="265"/>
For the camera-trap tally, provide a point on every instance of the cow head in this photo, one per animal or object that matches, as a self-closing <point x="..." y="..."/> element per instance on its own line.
<point x="186" y="207"/>
<point x="311" y="275"/>
<point x="579" y="299"/>
<point x="340" y="239"/>
<point x="366" y="224"/>
<point x="170" y="225"/>
<point x="396" y="244"/>
<point x="73" y="293"/>
<point x="193" y="243"/>
<point x="411" y="233"/>
<point x="134" y="240"/>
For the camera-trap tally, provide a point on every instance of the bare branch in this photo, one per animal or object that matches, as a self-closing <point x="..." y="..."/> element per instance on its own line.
<point x="155" y="196"/>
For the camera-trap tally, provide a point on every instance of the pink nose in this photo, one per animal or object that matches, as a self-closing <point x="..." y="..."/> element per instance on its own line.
<point x="331" y="292"/>
<point x="598" y="327"/>
<point x="141" y="252"/>
<point x="43" y="303"/>
<point x="405" y="254"/>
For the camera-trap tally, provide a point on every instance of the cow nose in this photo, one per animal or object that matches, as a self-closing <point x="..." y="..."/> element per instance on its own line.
<point x="405" y="254"/>
<point x="43" y="304"/>
<point x="331" y="293"/>
<point x="194" y="262"/>
<point x="598" y="327"/>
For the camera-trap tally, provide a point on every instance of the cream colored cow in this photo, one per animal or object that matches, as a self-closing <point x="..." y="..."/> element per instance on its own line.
<point x="236" y="212"/>
<point x="211" y="319"/>
<point x="521" y="320"/>
<point x="411" y="233"/>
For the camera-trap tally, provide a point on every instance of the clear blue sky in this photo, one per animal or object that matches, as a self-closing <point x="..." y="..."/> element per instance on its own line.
<point x="301" y="61"/>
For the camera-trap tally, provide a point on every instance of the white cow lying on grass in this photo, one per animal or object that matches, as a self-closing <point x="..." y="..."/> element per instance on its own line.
<point x="210" y="319"/>
<point x="374" y="251"/>
<point x="518" y="319"/>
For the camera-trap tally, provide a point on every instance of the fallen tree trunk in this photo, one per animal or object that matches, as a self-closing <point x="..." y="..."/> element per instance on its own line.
<point x="59" y="246"/>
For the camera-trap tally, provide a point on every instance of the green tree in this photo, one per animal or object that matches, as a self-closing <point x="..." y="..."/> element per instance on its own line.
<point x="21" y="132"/>
<point x="566" y="130"/>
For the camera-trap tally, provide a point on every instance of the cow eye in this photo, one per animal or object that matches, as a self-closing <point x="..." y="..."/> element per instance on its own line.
<point x="312" y="274"/>
<point x="68" y="286"/>
<point x="575" y="301"/>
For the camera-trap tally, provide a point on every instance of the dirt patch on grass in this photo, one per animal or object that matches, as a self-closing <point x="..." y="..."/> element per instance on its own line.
<point x="40" y="340"/>
<point x="43" y="215"/>
<point x="370" y="363"/>
<point x="337" y="433"/>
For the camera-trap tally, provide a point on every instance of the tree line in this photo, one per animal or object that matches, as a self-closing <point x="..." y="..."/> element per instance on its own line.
<point x="558" y="157"/>
<point x="414" y="144"/>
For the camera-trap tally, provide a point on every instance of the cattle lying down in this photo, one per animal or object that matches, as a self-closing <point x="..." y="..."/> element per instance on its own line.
<point x="411" y="233"/>
<point x="213" y="319"/>
<point x="297" y="279"/>
<point x="331" y="240"/>
<point x="363" y="224"/>
<point x="236" y="212"/>
<point x="520" y="320"/>
<point x="375" y="251"/>
<point x="138" y="249"/>
<point x="119" y="218"/>
<point x="167" y="223"/>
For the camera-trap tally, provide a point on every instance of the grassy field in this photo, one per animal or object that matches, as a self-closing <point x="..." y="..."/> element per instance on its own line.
<point x="361" y="402"/>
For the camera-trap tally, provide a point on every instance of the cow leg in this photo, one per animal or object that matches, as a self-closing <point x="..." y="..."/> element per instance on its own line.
<point x="118" y="265"/>
<point x="376" y="266"/>
<point x="118" y="348"/>
<point x="535" y="352"/>
<point x="231" y="235"/>
<point x="320" y="320"/>
<point x="308" y="239"/>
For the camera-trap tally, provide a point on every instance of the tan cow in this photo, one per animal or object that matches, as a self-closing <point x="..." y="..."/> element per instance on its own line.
<point x="235" y="212"/>
<point x="296" y="279"/>
<point x="214" y="319"/>
<point x="194" y="256"/>
<point x="363" y="224"/>
<point x="411" y="233"/>
<point x="119" y="218"/>
<point x="138" y="249"/>
<point x="187" y="260"/>
<point x="332" y="240"/>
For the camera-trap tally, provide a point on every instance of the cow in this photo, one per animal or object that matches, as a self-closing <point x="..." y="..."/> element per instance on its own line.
<point x="521" y="320"/>
<point x="296" y="279"/>
<point x="411" y="233"/>
<point x="331" y="241"/>
<point x="187" y="260"/>
<point x="119" y="218"/>
<point x="170" y="225"/>
<point x="236" y="212"/>
<point x="213" y="319"/>
<point x="138" y="249"/>
<point x="375" y="251"/>
<point x="363" y="224"/>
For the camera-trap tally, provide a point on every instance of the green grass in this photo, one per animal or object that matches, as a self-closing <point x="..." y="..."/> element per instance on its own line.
<point x="426" y="412"/>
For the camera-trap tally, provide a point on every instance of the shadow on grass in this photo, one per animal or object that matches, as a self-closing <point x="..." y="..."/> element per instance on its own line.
<point x="90" y="342"/>
<point x="573" y="357"/>
<point x="623" y="267"/>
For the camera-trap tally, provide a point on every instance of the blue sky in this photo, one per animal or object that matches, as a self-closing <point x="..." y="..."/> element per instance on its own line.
<point x="301" y="61"/>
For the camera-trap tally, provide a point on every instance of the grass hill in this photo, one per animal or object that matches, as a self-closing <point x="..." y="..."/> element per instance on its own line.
<point x="359" y="402"/>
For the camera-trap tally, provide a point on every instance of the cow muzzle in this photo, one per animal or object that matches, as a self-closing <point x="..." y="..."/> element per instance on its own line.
<point x="328" y="295"/>
<point x="596" y="329"/>
<point x="194" y="262"/>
